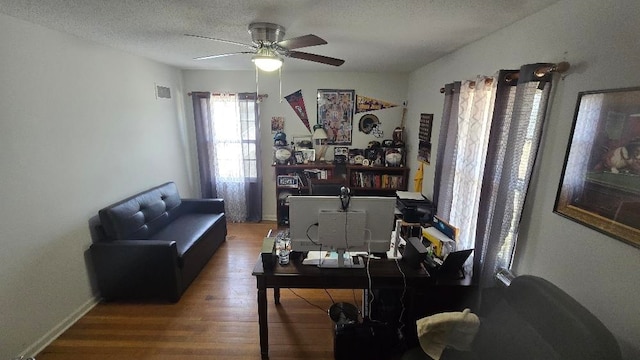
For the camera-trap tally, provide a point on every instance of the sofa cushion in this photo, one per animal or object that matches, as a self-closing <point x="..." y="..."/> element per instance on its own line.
<point x="142" y="215"/>
<point x="186" y="230"/>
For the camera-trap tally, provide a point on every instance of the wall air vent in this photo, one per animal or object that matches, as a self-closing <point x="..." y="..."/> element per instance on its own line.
<point x="163" y="92"/>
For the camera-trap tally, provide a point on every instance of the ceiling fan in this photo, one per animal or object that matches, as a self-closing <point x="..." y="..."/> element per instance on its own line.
<point x="268" y="47"/>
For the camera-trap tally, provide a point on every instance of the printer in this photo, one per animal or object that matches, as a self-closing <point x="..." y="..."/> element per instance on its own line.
<point x="415" y="207"/>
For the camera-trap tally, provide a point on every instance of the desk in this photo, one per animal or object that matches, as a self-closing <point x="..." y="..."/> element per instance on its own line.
<point x="384" y="274"/>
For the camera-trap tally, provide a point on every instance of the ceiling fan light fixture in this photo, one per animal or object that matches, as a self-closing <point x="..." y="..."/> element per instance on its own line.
<point x="268" y="49"/>
<point x="267" y="63"/>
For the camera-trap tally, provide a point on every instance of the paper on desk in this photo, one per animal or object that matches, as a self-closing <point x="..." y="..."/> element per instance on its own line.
<point x="314" y="255"/>
<point x="409" y="195"/>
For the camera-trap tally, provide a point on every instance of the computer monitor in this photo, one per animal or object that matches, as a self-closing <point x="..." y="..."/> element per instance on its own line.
<point x="366" y="225"/>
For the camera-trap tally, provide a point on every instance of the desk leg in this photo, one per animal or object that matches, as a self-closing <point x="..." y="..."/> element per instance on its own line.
<point x="276" y="295"/>
<point x="262" y="320"/>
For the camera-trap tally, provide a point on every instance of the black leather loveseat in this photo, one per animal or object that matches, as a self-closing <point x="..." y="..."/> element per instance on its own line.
<point x="154" y="244"/>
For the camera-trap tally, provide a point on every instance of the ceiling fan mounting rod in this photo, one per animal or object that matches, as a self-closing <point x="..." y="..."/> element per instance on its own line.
<point x="266" y="33"/>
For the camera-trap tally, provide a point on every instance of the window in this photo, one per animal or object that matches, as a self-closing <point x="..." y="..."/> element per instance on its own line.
<point x="234" y="135"/>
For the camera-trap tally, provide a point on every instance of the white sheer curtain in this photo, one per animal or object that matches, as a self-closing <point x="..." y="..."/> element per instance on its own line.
<point x="228" y="160"/>
<point x="474" y="123"/>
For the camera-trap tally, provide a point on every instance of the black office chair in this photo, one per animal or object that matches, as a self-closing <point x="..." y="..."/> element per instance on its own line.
<point x="533" y="319"/>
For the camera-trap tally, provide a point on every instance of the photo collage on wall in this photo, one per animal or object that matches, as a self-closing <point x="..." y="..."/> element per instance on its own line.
<point x="335" y="114"/>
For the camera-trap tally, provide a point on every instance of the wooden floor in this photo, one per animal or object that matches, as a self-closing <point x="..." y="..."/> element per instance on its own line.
<point x="216" y="318"/>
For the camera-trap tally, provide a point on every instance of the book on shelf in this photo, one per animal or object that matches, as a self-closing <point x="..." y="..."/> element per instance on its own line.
<point x="376" y="181"/>
<point x="303" y="179"/>
<point x="392" y="181"/>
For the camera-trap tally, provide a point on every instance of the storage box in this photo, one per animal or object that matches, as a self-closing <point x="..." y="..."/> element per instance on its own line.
<point x="268" y="253"/>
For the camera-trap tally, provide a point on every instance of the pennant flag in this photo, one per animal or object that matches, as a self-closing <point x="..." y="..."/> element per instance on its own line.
<point x="297" y="104"/>
<point x="364" y="104"/>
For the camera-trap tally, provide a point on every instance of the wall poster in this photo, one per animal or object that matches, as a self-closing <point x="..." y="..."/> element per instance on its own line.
<point x="335" y="114"/>
<point x="424" y="138"/>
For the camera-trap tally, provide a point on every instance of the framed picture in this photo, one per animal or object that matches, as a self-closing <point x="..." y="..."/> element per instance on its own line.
<point x="308" y="155"/>
<point x="335" y="114"/>
<point x="299" y="157"/>
<point x="302" y="142"/>
<point x="340" y="154"/>
<point x="277" y="124"/>
<point x="600" y="183"/>
<point x="340" y="150"/>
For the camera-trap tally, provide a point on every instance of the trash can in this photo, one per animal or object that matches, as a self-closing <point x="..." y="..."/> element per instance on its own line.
<point x="343" y="313"/>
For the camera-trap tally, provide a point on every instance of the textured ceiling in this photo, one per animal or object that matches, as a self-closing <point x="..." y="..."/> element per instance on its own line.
<point x="370" y="35"/>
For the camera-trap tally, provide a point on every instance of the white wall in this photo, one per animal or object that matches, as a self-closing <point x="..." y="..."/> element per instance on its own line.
<point x="80" y="128"/>
<point x="600" y="40"/>
<point x="388" y="87"/>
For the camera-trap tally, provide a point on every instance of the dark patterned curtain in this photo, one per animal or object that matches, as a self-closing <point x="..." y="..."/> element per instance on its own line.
<point x="446" y="154"/>
<point x="521" y="108"/>
<point x="483" y="191"/>
<point x="204" y="143"/>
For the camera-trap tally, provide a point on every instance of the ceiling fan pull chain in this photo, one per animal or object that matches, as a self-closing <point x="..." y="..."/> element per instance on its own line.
<point x="280" y="79"/>
<point x="257" y="82"/>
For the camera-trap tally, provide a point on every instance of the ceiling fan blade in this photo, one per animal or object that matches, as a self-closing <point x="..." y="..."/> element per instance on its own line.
<point x="314" y="57"/>
<point x="222" y="55"/>
<point x="301" y="41"/>
<point x="222" y="40"/>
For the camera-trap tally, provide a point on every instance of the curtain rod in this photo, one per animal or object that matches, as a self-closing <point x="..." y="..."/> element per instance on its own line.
<point x="260" y="97"/>
<point x="542" y="71"/>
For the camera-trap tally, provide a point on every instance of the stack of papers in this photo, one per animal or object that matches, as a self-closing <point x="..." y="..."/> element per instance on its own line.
<point x="409" y="195"/>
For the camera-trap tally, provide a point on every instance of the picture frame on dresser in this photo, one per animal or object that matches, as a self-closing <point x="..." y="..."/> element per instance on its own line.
<point x="308" y="155"/>
<point x="600" y="182"/>
<point x="299" y="157"/>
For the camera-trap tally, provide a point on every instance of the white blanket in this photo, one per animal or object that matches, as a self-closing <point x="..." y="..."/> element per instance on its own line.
<point x="454" y="329"/>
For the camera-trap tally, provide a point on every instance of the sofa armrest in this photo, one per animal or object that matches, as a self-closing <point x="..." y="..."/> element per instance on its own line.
<point x="137" y="269"/>
<point x="209" y="206"/>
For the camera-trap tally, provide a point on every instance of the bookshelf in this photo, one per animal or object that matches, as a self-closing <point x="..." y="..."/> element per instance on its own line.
<point x="377" y="180"/>
<point x="363" y="181"/>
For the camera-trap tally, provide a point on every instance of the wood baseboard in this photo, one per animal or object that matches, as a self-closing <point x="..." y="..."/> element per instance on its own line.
<point x="62" y="326"/>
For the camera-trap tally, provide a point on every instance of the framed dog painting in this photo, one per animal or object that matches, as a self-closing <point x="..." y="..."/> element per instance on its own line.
<point x="600" y="184"/>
